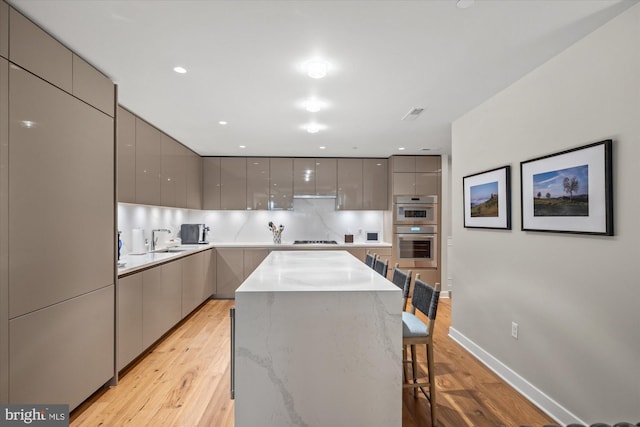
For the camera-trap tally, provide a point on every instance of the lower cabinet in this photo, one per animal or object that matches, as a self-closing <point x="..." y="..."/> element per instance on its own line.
<point x="252" y="259"/>
<point x="153" y="301"/>
<point x="67" y="360"/>
<point x="230" y="271"/>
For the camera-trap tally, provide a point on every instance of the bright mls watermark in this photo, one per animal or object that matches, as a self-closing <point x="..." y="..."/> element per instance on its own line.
<point x="34" y="415"/>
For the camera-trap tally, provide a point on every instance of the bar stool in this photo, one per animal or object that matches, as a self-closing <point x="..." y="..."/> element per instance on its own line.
<point x="415" y="332"/>
<point x="370" y="259"/>
<point x="381" y="266"/>
<point x="402" y="280"/>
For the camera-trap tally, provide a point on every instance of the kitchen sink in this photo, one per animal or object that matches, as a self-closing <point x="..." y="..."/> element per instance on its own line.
<point x="168" y="250"/>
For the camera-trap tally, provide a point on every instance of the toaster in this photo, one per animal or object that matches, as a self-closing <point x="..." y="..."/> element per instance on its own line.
<point x="193" y="234"/>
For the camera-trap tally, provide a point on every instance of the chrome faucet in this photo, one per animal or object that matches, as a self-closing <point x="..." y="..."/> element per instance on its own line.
<point x="154" y="239"/>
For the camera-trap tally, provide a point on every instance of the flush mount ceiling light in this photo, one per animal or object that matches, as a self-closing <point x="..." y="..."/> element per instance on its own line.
<point x="464" y="4"/>
<point x="180" y="70"/>
<point x="313" y="105"/>
<point x="316" y="68"/>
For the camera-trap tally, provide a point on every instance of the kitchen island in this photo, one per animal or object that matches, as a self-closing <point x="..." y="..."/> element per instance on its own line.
<point x="318" y="342"/>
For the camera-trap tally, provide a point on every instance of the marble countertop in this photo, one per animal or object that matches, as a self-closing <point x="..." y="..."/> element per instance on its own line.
<point x="314" y="271"/>
<point x="133" y="263"/>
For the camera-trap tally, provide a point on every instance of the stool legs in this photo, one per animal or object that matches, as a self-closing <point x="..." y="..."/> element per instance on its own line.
<point x="414" y="375"/>
<point x="432" y="382"/>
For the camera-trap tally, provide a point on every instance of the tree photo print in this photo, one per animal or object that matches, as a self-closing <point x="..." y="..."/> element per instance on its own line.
<point x="562" y="192"/>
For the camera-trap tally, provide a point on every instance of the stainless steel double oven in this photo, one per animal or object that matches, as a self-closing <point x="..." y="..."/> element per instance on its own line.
<point x="415" y="228"/>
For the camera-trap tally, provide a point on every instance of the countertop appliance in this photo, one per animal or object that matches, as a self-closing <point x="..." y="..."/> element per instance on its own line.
<point x="191" y="234"/>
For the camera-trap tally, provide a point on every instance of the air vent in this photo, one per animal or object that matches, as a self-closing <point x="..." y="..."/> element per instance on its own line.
<point x="413" y="113"/>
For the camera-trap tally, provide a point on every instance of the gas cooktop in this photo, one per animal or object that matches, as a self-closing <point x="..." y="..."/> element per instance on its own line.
<point x="315" y="242"/>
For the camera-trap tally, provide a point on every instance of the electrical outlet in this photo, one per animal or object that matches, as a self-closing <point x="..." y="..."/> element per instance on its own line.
<point x="514" y="330"/>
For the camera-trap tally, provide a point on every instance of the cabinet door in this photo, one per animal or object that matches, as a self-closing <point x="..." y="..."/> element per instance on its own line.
<point x="326" y="177"/>
<point x="63" y="353"/>
<point x="281" y="189"/>
<point x="257" y="183"/>
<point x="349" y="184"/>
<point x="4" y="30"/>
<point x="233" y="183"/>
<point x="92" y="86"/>
<point x="230" y="271"/>
<point x="374" y="186"/>
<point x="169" y="171"/>
<point x="210" y="278"/>
<point x="129" y="319"/>
<point x="161" y="300"/>
<point x="182" y="171"/>
<point x="194" y="181"/>
<point x="148" y="163"/>
<point x="4" y="220"/>
<point x="252" y="259"/>
<point x="427" y="163"/>
<point x="126" y="128"/>
<point x="194" y="287"/>
<point x="427" y="184"/>
<point x="36" y="51"/>
<point x="61" y="185"/>
<point x="304" y="176"/>
<point x="403" y="163"/>
<point x="404" y="183"/>
<point x="211" y="183"/>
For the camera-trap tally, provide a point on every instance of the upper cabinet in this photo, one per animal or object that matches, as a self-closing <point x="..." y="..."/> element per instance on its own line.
<point x="233" y="183"/>
<point x="350" y="181"/>
<point x="375" y="173"/>
<point x="281" y="183"/>
<point x="126" y="142"/>
<point x="211" y="183"/>
<point x="257" y="183"/>
<point x="194" y="180"/>
<point x="415" y="175"/>
<point x="316" y="177"/>
<point x="33" y="49"/>
<point x="92" y="86"/>
<point x="148" y="163"/>
<point x="4" y="30"/>
<point x="173" y="183"/>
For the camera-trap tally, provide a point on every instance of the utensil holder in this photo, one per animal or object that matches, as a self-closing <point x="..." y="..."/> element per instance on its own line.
<point x="277" y="238"/>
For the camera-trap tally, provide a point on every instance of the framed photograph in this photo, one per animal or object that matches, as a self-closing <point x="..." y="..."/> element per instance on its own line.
<point x="487" y="199"/>
<point x="569" y="192"/>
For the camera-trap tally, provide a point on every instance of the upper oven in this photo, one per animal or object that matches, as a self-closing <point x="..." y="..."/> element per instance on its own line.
<point x="415" y="210"/>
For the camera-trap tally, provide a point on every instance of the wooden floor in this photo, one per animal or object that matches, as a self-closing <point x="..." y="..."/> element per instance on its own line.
<point x="184" y="381"/>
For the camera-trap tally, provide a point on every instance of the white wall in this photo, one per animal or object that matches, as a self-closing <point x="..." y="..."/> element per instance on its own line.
<point x="311" y="219"/>
<point x="575" y="297"/>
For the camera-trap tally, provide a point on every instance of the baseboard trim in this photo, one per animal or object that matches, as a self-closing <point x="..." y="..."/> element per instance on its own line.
<point x="528" y="390"/>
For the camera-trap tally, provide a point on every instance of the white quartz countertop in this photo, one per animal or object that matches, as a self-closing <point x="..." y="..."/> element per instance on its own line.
<point x="314" y="271"/>
<point x="133" y="263"/>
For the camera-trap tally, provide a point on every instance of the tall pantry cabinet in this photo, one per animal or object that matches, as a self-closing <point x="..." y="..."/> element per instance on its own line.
<point x="57" y="217"/>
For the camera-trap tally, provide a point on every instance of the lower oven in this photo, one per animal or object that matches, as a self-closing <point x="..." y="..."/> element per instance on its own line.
<point x="416" y="245"/>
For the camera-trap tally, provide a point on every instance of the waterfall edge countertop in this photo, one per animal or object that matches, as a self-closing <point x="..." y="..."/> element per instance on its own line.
<point x="318" y="342"/>
<point x="134" y="263"/>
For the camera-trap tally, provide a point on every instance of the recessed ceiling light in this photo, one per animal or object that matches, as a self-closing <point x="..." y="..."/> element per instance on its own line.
<point x="316" y="68"/>
<point x="222" y="122"/>
<point x="464" y="4"/>
<point x="243" y="146"/>
<point x="313" y="105"/>
<point x="180" y="70"/>
<point x="313" y="127"/>
<point x="323" y="147"/>
<point x="401" y="148"/>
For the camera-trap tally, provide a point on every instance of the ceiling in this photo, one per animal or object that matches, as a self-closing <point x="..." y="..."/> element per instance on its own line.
<point x="244" y="65"/>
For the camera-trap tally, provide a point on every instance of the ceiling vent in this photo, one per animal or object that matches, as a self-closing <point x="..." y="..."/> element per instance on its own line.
<point x="413" y="114"/>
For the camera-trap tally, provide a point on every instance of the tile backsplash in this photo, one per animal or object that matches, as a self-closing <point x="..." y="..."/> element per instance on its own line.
<point x="311" y="219"/>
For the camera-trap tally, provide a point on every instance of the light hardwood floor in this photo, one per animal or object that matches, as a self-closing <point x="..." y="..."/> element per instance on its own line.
<point x="184" y="381"/>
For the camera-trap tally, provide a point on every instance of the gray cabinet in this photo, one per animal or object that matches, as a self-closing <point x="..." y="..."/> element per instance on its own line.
<point x="161" y="300"/>
<point x="211" y="183"/>
<point x="315" y="176"/>
<point x="194" y="287"/>
<point x="4" y="30"/>
<point x="129" y="336"/>
<point x="33" y="49"/>
<point x="63" y="353"/>
<point x="415" y="175"/>
<point x="281" y="188"/>
<point x="4" y="223"/>
<point x="210" y="264"/>
<point x="194" y="181"/>
<point x="148" y="163"/>
<point x="350" y="177"/>
<point x="171" y="171"/>
<point x="70" y="145"/>
<point x="126" y="141"/>
<point x="252" y="259"/>
<point x="230" y="271"/>
<point x="375" y="182"/>
<point x="257" y="183"/>
<point x="92" y="86"/>
<point x="233" y="183"/>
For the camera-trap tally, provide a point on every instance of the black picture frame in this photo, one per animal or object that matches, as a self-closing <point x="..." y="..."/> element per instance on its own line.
<point x="570" y="191"/>
<point x="487" y="199"/>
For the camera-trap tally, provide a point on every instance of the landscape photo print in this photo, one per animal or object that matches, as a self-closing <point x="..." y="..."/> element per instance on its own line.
<point x="570" y="191"/>
<point x="487" y="199"/>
